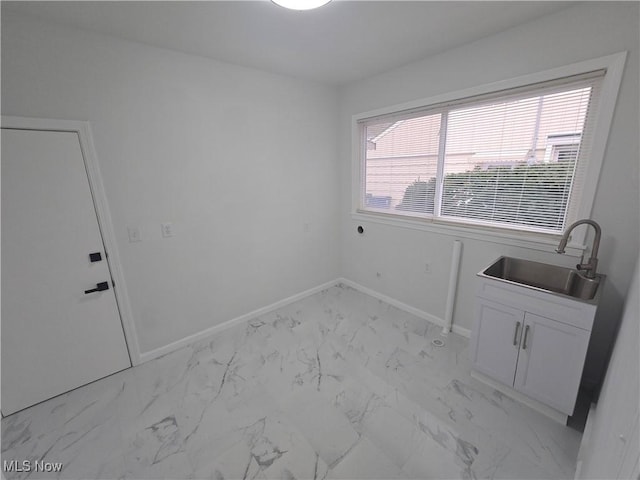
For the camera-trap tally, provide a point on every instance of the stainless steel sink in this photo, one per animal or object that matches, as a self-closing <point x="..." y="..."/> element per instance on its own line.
<point x="551" y="278"/>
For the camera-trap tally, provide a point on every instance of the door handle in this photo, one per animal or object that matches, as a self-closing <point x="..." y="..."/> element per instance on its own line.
<point x="99" y="287"/>
<point x="515" y="334"/>
<point x="524" y="341"/>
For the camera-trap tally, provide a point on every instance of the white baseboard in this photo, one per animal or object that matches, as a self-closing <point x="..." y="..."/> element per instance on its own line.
<point x="158" y="352"/>
<point x="403" y="306"/>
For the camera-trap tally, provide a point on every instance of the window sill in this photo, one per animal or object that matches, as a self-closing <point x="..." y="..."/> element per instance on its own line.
<point x="542" y="242"/>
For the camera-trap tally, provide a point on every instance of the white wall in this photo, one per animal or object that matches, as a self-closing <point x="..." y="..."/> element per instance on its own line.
<point x="613" y="449"/>
<point x="239" y="160"/>
<point x="579" y="33"/>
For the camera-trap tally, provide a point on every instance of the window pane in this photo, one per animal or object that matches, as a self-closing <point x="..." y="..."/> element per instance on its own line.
<point x="400" y="165"/>
<point x="513" y="162"/>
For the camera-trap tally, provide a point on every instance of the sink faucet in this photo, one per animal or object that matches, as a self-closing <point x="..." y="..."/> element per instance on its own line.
<point x="590" y="267"/>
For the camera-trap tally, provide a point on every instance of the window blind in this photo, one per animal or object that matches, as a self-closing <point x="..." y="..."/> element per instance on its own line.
<point x="515" y="159"/>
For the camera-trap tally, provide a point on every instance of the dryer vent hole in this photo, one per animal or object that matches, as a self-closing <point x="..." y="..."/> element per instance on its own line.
<point x="436" y="342"/>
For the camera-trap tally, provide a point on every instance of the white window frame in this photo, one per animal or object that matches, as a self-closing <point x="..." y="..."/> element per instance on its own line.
<point x="613" y="65"/>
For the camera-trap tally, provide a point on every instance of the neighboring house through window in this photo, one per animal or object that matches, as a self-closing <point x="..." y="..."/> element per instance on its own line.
<point x="515" y="158"/>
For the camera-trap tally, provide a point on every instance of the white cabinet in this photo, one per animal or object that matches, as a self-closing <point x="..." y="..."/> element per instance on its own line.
<point x="496" y="352"/>
<point x="531" y="344"/>
<point x="550" y="361"/>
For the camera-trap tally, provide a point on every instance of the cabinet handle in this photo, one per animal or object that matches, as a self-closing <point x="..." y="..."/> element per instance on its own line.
<point x="515" y="334"/>
<point x="524" y="342"/>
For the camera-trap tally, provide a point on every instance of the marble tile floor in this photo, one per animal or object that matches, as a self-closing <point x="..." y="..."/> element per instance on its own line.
<point x="336" y="386"/>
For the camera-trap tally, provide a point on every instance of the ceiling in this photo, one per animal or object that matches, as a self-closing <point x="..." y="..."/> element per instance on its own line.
<point x="336" y="44"/>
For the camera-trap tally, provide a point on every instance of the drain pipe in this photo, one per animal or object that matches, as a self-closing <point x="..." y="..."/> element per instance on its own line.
<point x="453" y="282"/>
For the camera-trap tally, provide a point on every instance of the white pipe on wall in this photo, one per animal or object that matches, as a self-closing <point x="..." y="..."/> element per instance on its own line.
<point x="453" y="282"/>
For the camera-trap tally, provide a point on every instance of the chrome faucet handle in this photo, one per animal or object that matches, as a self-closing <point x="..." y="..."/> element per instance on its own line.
<point x="589" y="268"/>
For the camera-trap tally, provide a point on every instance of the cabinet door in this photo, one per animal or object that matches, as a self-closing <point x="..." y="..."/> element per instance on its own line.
<point x="495" y="340"/>
<point x="551" y="360"/>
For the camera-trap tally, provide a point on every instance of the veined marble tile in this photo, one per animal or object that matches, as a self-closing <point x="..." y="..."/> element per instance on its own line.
<point x="215" y="432"/>
<point x="337" y="385"/>
<point x="366" y="462"/>
<point x="157" y="451"/>
<point x="262" y="443"/>
<point x="508" y="464"/>
<point x="95" y="453"/>
<point x="33" y="449"/>
<point x="18" y="429"/>
<point x="529" y="433"/>
<point x="236" y="463"/>
<point x="327" y="430"/>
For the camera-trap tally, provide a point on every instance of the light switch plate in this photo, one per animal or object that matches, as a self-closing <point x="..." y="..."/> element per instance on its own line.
<point x="134" y="234"/>
<point x="167" y="230"/>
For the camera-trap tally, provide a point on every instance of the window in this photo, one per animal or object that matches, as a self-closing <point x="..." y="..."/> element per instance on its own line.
<point x="515" y="159"/>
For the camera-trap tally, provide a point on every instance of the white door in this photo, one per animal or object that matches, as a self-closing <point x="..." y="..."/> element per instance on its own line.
<point x="495" y="340"/>
<point x="551" y="360"/>
<point x="55" y="336"/>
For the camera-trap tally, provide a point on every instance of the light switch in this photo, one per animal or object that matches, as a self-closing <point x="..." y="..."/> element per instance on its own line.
<point x="134" y="234"/>
<point x="167" y="230"/>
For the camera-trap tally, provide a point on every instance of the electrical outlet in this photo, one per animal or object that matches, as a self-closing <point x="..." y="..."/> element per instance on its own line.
<point x="427" y="267"/>
<point x="167" y="230"/>
<point x="134" y="234"/>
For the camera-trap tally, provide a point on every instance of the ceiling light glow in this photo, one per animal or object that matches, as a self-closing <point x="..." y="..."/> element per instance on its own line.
<point x="301" y="4"/>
